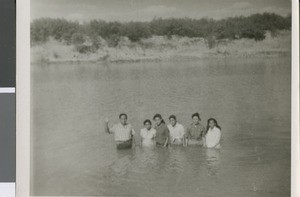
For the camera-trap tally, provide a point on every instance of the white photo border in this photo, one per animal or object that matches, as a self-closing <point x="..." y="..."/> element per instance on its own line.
<point x="23" y="100"/>
<point x="295" y="137"/>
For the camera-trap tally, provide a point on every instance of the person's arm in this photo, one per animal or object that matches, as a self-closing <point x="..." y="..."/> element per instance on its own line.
<point x="217" y="146"/>
<point x="187" y="136"/>
<point x="203" y="134"/>
<point x="183" y="136"/>
<point x="166" y="142"/>
<point x="133" y="142"/>
<point x="168" y="136"/>
<point x="132" y="137"/>
<point x="218" y="138"/>
<point x="204" y="141"/>
<point x="184" y="142"/>
<point x="106" y="127"/>
<point x="141" y="136"/>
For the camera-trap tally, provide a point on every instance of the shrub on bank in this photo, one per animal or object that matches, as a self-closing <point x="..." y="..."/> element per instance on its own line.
<point x="78" y="38"/>
<point x="70" y="32"/>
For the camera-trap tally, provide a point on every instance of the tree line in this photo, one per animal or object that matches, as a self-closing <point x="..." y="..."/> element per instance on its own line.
<point x="72" y="32"/>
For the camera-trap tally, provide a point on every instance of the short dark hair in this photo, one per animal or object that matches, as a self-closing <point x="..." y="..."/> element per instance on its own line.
<point x="147" y="120"/>
<point x="172" y="116"/>
<point x="122" y="114"/>
<point x="157" y="116"/>
<point x="215" y="121"/>
<point x="197" y="115"/>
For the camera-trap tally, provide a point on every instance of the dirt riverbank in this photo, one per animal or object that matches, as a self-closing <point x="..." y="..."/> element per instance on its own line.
<point x="160" y="48"/>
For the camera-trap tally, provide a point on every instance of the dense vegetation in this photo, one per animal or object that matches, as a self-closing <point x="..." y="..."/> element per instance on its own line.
<point x="96" y="31"/>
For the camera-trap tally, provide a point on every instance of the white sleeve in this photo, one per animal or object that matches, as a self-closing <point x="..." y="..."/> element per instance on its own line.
<point x="182" y="132"/>
<point x="113" y="129"/>
<point x="169" y="127"/>
<point x="218" y="136"/>
<point x="154" y="133"/>
<point x="141" y="133"/>
<point x="132" y="131"/>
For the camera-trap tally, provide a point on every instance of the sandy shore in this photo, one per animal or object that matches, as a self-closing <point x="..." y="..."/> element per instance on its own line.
<point x="160" y="48"/>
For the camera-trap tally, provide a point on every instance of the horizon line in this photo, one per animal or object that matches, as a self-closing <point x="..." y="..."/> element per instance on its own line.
<point x="159" y="17"/>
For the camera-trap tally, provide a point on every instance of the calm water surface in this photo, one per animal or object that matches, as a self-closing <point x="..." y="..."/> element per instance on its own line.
<point x="250" y="98"/>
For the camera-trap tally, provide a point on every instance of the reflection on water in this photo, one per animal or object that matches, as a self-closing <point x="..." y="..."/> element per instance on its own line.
<point x="250" y="98"/>
<point x="213" y="160"/>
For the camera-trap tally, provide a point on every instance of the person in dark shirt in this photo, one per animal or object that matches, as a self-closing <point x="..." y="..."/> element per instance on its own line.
<point x="162" y="131"/>
<point x="195" y="133"/>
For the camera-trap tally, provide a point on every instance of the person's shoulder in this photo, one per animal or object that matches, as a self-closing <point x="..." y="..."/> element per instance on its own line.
<point x="169" y="126"/>
<point x="164" y="125"/>
<point x="118" y="125"/>
<point x="201" y="125"/>
<point x="180" y="125"/>
<point x="129" y="125"/>
<point x="217" y="129"/>
<point x="115" y="125"/>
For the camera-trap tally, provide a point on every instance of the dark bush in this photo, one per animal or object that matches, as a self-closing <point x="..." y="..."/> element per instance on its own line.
<point x="252" y="33"/>
<point x="78" y="38"/>
<point x="113" y="40"/>
<point x="211" y="42"/>
<point x="96" y="41"/>
<point x="135" y="31"/>
<point x="70" y="32"/>
<point x="40" y="30"/>
<point x="85" y="49"/>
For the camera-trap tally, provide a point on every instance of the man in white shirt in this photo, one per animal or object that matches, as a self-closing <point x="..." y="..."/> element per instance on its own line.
<point x="122" y="131"/>
<point x="176" y="131"/>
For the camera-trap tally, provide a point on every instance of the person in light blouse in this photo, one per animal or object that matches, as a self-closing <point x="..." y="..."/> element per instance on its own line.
<point x="148" y="134"/>
<point x="213" y="134"/>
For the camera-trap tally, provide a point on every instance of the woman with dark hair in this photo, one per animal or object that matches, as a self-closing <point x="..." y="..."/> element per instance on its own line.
<point x="148" y="135"/>
<point x="195" y="132"/>
<point x="213" y="135"/>
<point x="162" y="131"/>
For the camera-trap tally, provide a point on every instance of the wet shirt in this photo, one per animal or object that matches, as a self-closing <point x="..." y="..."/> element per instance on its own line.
<point x="162" y="132"/>
<point x="148" y="136"/>
<point x="176" y="132"/>
<point x="122" y="132"/>
<point x="195" y="131"/>
<point x="213" y="137"/>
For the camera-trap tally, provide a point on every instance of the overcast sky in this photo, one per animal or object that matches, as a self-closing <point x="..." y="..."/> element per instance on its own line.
<point x="145" y="10"/>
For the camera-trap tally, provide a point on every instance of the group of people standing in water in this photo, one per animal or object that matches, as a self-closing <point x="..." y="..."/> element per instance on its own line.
<point x="162" y="135"/>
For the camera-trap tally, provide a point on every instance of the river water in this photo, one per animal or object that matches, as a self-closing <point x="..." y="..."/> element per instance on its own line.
<point x="250" y="98"/>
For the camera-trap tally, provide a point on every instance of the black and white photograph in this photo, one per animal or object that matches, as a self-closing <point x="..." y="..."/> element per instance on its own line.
<point x="146" y="98"/>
